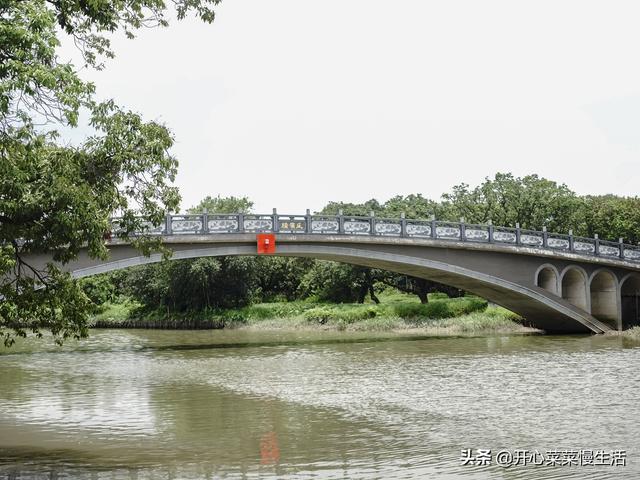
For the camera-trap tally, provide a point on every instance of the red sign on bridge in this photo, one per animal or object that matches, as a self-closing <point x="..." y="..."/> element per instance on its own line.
<point x="266" y="243"/>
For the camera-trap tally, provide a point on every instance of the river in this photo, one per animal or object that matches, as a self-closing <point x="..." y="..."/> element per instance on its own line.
<point x="142" y="404"/>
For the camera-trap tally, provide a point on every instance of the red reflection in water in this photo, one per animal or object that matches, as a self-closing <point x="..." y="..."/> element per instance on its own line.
<point x="269" y="450"/>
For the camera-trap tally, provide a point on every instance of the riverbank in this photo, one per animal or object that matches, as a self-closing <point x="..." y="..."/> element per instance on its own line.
<point x="632" y="333"/>
<point x="401" y="313"/>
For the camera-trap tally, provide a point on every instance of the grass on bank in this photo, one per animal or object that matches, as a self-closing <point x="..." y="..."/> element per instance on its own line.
<point x="114" y="313"/>
<point x="396" y="311"/>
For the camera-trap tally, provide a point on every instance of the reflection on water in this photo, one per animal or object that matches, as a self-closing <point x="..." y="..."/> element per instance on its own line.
<point x="158" y="404"/>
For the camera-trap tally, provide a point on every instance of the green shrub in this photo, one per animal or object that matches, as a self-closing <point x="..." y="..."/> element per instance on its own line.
<point x="343" y="314"/>
<point x="259" y="312"/>
<point x="232" y="316"/>
<point x="410" y="310"/>
<point x="451" y="307"/>
<point x="319" y="314"/>
<point x="491" y="319"/>
<point x="439" y="309"/>
<point x="351" y="315"/>
<point x="370" y="312"/>
<point x="465" y="305"/>
<point x="99" y="289"/>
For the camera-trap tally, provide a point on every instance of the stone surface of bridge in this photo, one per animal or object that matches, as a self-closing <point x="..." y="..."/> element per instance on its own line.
<point x="560" y="283"/>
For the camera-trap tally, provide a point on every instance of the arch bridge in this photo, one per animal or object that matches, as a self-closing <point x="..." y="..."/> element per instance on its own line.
<point x="558" y="282"/>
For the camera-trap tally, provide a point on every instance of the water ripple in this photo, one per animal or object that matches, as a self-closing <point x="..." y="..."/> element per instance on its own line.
<point x="165" y="405"/>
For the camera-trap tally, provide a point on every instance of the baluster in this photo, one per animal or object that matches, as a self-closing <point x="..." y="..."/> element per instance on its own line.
<point x="240" y="222"/>
<point x="571" y="249"/>
<point x="307" y="217"/>
<point x="205" y="221"/>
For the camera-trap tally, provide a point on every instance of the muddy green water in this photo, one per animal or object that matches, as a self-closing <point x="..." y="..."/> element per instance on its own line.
<point x="188" y="405"/>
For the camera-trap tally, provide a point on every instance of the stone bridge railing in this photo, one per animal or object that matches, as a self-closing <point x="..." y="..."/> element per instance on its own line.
<point x="220" y="224"/>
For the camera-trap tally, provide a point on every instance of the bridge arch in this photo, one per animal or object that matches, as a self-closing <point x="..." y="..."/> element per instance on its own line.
<point x="603" y="296"/>
<point x="573" y="286"/>
<point x="550" y="311"/>
<point x="630" y="300"/>
<point x="547" y="277"/>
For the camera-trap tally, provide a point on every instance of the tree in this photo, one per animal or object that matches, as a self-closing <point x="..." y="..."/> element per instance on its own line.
<point x="351" y="282"/>
<point x="339" y="282"/>
<point x="193" y="284"/>
<point x="55" y="197"/>
<point x="355" y="209"/>
<point x="223" y="205"/>
<point x="531" y="201"/>
<point x="99" y="288"/>
<point x="611" y="217"/>
<point x="413" y="206"/>
<point x="278" y="278"/>
<point x="417" y="286"/>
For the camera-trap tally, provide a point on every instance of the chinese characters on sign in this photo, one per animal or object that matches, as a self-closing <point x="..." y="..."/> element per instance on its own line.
<point x="553" y="458"/>
<point x="293" y="226"/>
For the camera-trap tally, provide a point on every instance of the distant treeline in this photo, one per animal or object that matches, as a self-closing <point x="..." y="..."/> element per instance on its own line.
<point x="227" y="282"/>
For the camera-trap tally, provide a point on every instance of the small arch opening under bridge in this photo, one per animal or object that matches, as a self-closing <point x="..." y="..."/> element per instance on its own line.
<point x="630" y="301"/>
<point x="574" y="287"/>
<point x="547" y="278"/>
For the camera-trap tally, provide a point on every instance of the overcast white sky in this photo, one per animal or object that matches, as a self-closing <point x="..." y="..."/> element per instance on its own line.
<point x="295" y="103"/>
